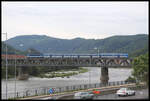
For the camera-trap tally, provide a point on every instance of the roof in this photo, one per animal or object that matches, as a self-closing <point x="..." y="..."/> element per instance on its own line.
<point x="13" y="56"/>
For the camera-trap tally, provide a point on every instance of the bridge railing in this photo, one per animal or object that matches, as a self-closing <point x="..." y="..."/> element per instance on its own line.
<point x="45" y="90"/>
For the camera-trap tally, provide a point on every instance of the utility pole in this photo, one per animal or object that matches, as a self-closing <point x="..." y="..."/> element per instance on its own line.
<point x="90" y="72"/>
<point x="6" y="64"/>
<point x="89" y="79"/>
<point x="15" y="74"/>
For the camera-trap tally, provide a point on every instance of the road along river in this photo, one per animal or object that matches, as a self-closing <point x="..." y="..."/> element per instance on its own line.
<point x="140" y="94"/>
<point x="93" y="76"/>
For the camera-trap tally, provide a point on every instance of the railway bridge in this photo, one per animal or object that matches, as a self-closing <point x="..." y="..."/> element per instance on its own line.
<point x="104" y="62"/>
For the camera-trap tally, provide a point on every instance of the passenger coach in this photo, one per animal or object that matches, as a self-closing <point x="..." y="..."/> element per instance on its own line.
<point x="101" y="55"/>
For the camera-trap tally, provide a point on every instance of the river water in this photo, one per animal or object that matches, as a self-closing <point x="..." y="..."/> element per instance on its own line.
<point x="93" y="76"/>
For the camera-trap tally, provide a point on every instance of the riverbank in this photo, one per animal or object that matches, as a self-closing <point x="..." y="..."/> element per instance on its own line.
<point x="63" y="73"/>
<point x="93" y="76"/>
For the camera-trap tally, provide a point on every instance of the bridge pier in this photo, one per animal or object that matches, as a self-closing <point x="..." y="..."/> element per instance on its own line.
<point x="104" y="75"/>
<point x="22" y="75"/>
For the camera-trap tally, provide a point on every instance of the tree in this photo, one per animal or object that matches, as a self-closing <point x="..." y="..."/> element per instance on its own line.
<point x="140" y="68"/>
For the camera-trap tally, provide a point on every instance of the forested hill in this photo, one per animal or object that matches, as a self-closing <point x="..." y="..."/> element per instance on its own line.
<point x="10" y="49"/>
<point x="44" y="44"/>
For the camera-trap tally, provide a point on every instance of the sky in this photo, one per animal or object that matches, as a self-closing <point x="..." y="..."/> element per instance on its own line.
<point x="68" y="20"/>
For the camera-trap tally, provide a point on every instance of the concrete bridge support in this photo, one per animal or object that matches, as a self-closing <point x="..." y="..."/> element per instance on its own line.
<point x="22" y="75"/>
<point x="104" y="75"/>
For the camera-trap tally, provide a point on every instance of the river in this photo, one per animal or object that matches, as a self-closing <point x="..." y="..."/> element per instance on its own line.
<point x="93" y="76"/>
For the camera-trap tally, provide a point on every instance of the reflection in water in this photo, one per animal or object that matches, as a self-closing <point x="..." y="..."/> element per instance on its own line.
<point x="115" y="74"/>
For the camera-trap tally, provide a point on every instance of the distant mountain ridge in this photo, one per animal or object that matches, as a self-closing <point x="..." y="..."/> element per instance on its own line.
<point x="45" y="44"/>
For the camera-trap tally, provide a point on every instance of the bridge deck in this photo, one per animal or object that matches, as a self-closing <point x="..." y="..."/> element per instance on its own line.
<point x="70" y="61"/>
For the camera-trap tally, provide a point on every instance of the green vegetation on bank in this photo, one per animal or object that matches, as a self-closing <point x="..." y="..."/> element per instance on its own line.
<point x="63" y="73"/>
<point x="11" y="72"/>
<point x="140" y="69"/>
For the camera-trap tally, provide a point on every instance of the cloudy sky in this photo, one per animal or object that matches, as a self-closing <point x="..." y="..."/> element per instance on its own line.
<point x="69" y="20"/>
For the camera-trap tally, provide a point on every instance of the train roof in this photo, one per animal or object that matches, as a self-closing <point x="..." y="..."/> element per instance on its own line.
<point x="112" y="54"/>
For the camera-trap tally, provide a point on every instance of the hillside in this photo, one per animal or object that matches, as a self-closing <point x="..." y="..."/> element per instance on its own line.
<point x="139" y="52"/>
<point x="10" y="49"/>
<point x="45" y="44"/>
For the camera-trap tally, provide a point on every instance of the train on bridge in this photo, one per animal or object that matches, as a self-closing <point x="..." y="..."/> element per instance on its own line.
<point x="101" y="55"/>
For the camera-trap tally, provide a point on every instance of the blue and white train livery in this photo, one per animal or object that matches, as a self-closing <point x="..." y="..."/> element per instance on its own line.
<point x="102" y="55"/>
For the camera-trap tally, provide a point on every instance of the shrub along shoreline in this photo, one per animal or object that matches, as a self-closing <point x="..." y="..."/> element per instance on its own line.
<point x="63" y="73"/>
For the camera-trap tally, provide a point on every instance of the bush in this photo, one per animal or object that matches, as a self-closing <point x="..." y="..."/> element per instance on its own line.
<point x="130" y="79"/>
